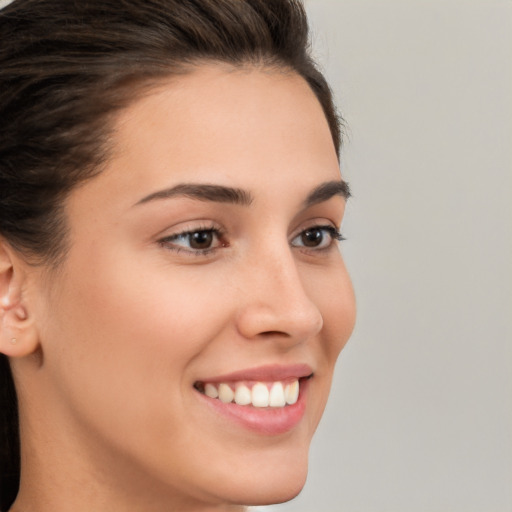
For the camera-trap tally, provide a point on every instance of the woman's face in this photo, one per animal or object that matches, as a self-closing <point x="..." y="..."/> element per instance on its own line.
<point x="202" y="261"/>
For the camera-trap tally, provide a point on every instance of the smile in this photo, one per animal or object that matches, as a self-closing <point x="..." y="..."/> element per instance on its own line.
<point x="257" y="394"/>
<point x="269" y="400"/>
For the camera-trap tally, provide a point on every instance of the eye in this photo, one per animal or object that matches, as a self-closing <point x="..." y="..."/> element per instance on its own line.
<point x="317" y="237"/>
<point x="199" y="241"/>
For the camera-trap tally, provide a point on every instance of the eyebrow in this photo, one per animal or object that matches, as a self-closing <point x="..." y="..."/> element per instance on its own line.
<point x="203" y="192"/>
<point x="326" y="190"/>
<point x="224" y="194"/>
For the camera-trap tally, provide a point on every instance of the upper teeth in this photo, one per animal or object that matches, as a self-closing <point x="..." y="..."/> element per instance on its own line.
<point x="274" y="394"/>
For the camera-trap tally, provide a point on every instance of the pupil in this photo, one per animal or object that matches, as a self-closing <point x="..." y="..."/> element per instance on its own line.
<point x="312" y="237"/>
<point x="201" y="240"/>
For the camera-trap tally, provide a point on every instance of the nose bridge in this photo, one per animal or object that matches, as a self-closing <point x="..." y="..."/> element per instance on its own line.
<point x="276" y="300"/>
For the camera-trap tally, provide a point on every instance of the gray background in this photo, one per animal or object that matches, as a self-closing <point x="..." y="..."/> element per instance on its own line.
<point x="420" y="416"/>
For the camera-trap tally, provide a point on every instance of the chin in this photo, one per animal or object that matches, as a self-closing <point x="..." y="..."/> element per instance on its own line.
<point x="273" y="494"/>
<point x="271" y="484"/>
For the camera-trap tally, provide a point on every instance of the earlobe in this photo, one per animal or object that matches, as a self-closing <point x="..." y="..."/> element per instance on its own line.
<point x="18" y="336"/>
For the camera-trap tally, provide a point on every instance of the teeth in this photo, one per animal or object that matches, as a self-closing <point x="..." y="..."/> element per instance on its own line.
<point x="277" y="396"/>
<point x="242" y="395"/>
<point x="291" y="392"/>
<point x="260" y="395"/>
<point x="226" y="394"/>
<point x="211" y="391"/>
<point x="271" y="394"/>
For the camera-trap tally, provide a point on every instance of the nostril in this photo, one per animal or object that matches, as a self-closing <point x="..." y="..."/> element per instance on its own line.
<point x="274" y="333"/>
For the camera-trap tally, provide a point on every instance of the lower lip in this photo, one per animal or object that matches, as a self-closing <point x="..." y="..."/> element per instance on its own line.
<point x="263" y="420"/>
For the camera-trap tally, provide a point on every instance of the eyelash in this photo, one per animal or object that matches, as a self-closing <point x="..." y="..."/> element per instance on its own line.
<point x="167" y="242"/>
<point x="333" y="232"/>
<point x="219" y="234"/>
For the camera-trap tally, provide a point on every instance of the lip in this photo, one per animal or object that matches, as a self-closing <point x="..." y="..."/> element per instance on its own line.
<point x="268" y="421"/>
<point x="266" y="373"/>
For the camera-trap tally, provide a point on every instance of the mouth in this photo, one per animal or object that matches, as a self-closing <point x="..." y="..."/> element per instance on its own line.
<point x="275" y="394"/>
<point x="267" y="400"/>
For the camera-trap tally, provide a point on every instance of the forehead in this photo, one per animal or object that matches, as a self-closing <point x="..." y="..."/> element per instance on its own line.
<point x="248" y="110"/>
<point x="250" y="128"/>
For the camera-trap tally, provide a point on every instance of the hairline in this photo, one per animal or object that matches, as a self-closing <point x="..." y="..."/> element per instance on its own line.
<point x="132" y="90"/>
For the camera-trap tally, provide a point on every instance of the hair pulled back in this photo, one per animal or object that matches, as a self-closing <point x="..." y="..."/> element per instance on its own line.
<point x="66" y="67"/>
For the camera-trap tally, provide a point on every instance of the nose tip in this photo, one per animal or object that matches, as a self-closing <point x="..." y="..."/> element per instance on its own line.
<point x="263" y="321"/>
<point x="279" y="306"/>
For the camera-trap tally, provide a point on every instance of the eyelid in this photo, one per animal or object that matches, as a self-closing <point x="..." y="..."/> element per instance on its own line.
<point x="188" y="227"/>
<point x="168" y="241"/>
<point x="333" y="234"/>
<point x="319" y="223"/>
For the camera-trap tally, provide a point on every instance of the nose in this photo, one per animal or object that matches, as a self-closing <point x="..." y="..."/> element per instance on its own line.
<point x="274" y="302"/>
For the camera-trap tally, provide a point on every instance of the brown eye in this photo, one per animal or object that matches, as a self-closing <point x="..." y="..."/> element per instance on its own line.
<point x="200" y="239"/>
<point x="317" y="237"/>
<point x="312" y="237"/>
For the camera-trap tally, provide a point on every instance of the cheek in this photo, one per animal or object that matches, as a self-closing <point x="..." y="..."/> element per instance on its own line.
<point x="127" y="335"/>
<point x="334" y="296"/>
<point x="332" y="293"/>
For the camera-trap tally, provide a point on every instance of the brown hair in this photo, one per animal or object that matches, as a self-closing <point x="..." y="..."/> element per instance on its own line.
<point x="66" y="66"/>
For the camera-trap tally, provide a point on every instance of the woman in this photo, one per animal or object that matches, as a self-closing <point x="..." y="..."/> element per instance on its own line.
<point x="173" y="300"/>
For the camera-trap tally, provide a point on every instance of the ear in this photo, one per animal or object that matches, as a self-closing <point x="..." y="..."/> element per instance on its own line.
<point x="18" y="335"/>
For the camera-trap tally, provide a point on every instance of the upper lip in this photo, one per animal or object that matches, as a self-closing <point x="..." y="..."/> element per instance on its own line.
<point x="265" y="373"/>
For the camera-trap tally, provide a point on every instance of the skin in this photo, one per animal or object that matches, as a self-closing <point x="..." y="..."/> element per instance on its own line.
<point x="110" y="418"/>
